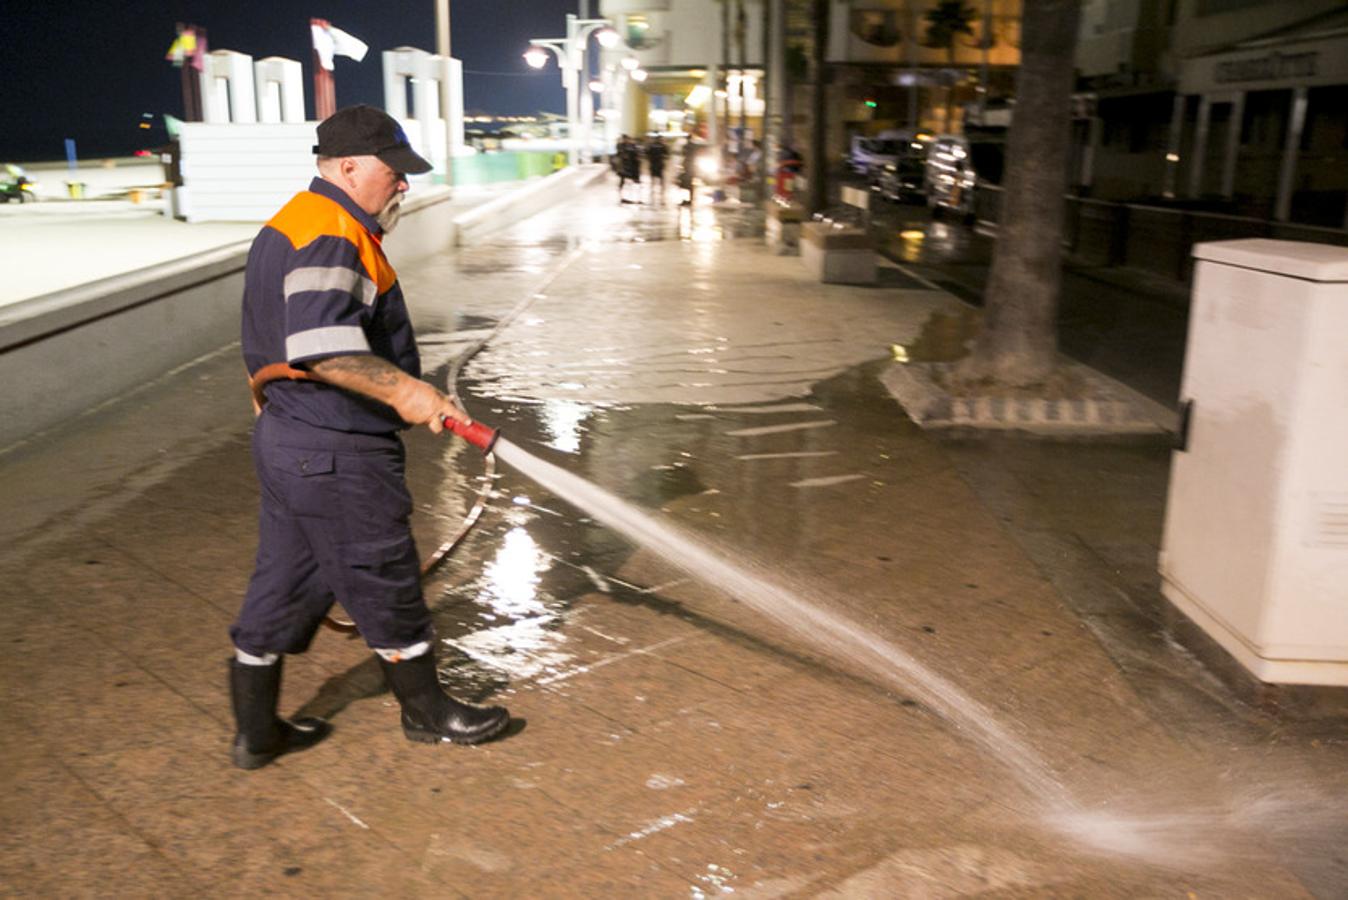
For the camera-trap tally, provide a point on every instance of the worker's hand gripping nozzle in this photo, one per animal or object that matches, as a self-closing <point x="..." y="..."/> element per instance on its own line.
<point x="480" y="436"/>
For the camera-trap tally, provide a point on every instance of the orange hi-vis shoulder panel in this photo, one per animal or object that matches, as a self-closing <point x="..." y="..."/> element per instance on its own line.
<point x="309" y="216"/>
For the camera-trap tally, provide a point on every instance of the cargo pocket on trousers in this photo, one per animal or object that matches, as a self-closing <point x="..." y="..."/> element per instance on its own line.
<point x="307" y="479"/>
<point x="385" y="569"/>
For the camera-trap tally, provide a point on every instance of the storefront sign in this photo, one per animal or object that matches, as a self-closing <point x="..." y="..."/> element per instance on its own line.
<point x="1294" y="64"/>
<point x="1273" y="67"/>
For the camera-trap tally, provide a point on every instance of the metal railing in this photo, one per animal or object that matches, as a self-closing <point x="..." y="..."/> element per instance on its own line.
<point x="1152" y="239"/>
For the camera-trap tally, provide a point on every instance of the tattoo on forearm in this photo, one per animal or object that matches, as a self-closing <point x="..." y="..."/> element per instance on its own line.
<point x="375" y="370"/>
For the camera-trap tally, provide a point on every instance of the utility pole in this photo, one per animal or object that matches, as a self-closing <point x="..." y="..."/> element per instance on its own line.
<point x="773" y="10"/>
<point x="442" y="49"/>
<point x="742" y="26"/>
<point x="586" y="112"/>
<point x="818" y="108"/>
<point x="723" y="81"/>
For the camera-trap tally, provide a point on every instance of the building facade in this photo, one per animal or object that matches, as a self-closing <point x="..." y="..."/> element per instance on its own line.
<point x="700" y="64"/>
<point x="919" y="64"/>
<point x="1240" y="105"/>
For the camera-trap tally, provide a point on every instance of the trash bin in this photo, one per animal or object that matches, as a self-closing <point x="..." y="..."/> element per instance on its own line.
<point x="75" y="189"/>
<point x="1255" y="547"/>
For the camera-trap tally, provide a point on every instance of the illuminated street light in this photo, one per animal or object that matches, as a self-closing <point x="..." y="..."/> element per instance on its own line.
<point x="536" y="57"/>
<point x="570" y="52"/>
<point x="607" y="38"/>
<point x="597" y="86"/>
<point x="638" y="75"/>
<point x="630" y="63"/>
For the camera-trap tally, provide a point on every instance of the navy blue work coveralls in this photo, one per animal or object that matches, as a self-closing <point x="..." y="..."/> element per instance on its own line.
<point x="335" y="509"/>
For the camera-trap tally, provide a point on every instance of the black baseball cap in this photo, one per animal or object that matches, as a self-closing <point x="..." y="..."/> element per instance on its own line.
<point x="365" y="131"/>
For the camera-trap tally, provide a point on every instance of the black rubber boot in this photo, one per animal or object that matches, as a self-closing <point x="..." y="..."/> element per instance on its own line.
<point x="430" y="716"/>
<point x="262" y="735"/>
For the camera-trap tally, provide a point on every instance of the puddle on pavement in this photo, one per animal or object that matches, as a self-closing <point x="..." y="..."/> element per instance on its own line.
<point x="538" y="562"/>
<point x="944" y="337"/>
<point x="533" y="557"/>
<point x="910" y="236"/>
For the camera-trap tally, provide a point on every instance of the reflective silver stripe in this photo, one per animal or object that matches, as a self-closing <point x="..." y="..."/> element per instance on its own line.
<point x="330" y="278"/>
<point x="249" y="659"/>
<point x="332" y="339"/>
<point x="403" y="653"/>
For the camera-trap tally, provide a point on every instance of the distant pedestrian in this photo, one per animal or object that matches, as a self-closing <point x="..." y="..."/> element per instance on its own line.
<point x="657" y="153"/>
<point x="688" y="170"/>
<point x="629" y="168"/>
<point x="336" y="375"/>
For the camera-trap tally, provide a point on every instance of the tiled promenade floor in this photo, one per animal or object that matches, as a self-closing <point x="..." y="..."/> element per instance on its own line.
<point x="677" y="736"/>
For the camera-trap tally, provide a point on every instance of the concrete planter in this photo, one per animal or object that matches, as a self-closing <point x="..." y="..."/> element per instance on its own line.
<point x="838" y="255"/>
<point x="781" y="229"/>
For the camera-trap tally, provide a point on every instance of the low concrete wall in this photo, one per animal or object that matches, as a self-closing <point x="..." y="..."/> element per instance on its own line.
<point x="427" y="227"/>
<point x="65" y="352"/>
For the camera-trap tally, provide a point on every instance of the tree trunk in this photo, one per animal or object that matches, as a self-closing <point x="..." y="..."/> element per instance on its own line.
<point x="1019" y="341"/>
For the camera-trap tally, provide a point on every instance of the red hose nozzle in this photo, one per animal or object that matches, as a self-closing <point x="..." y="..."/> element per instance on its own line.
<point x="481" y="436"/>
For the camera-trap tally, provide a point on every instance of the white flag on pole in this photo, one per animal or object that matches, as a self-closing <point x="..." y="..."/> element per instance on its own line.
<point x="330" y="42"/>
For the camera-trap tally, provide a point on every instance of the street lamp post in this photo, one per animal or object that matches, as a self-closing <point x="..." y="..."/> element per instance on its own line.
<point x="570" y="53"/>
<point x="442" y="48"/>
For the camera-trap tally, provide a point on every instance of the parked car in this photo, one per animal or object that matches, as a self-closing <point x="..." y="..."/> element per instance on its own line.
<point x="16" y="185"/>
<point x="955" y="165"/>
<point x="903" y="180"/>
<point x="869" y="154"/>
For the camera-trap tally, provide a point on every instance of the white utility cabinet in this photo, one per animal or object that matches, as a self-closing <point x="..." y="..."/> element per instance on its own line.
<point x="1255" y="548"/>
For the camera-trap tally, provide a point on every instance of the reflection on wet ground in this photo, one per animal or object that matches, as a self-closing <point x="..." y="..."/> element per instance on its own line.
<point x="1128" y="325"/>
<point x="542" y="556"/>
<point x="909" y="234"/>
<point x="945" y="337"/>
<point x="533" y="243"/>
<point x="539" y="563"/>
<point x="506" y="623"/>
<point x="594" y="386"/>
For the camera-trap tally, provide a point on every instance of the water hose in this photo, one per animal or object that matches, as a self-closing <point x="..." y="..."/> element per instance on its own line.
<point x="479" y="435"/>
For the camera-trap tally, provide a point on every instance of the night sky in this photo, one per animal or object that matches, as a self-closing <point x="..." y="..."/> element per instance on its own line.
<point x="88" y="70"/>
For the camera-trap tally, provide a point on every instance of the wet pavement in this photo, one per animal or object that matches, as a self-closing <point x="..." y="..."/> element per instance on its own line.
<point x="1127" y="324"/>
<point x="854" y="661"/>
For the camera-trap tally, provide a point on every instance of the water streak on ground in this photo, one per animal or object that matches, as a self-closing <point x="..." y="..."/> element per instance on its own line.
<point x="830" y="632"/>
<point x="1194" y="840"/>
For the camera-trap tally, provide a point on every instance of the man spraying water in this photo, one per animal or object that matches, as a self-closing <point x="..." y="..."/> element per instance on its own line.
<point x="336" y="375"/>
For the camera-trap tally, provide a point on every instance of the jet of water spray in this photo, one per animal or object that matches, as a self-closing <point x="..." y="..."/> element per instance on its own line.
<point x="827" y="631"/>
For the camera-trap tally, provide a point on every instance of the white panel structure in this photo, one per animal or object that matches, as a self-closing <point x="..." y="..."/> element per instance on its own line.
<point x="280" y="90"/>
<point x="227" y="88"/>
<point x="1255" y="548"/>
<point x="425" y="72"/>
<point x="243" y="173"/>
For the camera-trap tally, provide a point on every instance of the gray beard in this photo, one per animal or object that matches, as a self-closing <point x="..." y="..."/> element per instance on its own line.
<point x="391" y="214"/>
